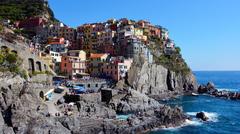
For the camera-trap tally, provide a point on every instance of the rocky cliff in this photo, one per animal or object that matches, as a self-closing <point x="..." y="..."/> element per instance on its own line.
<point x="155" y="80"/>
<point x="22" y="111"/>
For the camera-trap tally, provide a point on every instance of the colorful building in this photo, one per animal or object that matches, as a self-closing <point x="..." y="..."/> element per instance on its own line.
<point x="67" y="33"/>
<point x="73" y="62"/>
<point x="55" y="39"/>
<point x="59" y="46"/>
<point x="53" y="29"/>
<point x="136" y="49"/>
<point x="116" y="68"/>
<point x="95" y="63"/>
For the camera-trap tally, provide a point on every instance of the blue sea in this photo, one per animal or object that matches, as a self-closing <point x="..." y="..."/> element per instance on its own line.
<point x="224" y="115"/>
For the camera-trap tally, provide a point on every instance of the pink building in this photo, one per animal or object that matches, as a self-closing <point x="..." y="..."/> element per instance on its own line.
<point x="117" y="68"/>
<point x="73" y="63"/>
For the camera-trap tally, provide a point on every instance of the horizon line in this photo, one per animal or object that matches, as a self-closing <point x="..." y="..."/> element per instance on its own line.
<point x="216" y="70"/>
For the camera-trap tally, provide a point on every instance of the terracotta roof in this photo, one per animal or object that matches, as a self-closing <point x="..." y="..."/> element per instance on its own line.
<point x="52" y="43"/>
<point x="92" y="55"/>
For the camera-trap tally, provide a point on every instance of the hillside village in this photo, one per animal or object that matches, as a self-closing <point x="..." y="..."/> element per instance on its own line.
<point x="99" y="49"/>
<point x="112" y="71"/>
<point x="93" y="55"/>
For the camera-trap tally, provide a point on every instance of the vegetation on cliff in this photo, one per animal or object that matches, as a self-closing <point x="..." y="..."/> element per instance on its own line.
<point x="9" y="61"/>
<point x="22" y="9"/>
<point x="173" y="61"/>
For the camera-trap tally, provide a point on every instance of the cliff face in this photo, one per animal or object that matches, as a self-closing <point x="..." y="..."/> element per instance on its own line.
<point x="155" y="80"/>
<point x="21" y="110"/>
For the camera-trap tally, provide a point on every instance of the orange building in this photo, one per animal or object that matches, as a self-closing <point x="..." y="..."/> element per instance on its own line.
<point x="73" y="63"/>
<point x="54" y="39"/>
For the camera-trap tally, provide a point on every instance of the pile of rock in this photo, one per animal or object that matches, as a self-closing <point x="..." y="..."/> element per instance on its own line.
<point x="211" y="90"/>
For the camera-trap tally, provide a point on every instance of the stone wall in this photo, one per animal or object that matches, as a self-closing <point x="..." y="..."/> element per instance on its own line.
<point x="31" y="62"/>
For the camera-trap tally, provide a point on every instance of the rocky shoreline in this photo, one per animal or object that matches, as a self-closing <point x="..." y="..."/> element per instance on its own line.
<point x="23" y="111"/>
<point x="211" y="90"/>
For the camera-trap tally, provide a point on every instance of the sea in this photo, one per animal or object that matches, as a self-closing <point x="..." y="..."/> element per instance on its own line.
<point x="224" y="115"/>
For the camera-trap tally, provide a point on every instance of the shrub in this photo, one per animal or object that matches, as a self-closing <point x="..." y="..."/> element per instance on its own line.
<point x="11" y="62"/>
<point x="11" y="58"/>
<point x="23" y="74"/>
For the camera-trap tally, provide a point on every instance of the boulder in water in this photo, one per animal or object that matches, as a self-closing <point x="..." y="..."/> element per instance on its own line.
<point x="202" y="116"/>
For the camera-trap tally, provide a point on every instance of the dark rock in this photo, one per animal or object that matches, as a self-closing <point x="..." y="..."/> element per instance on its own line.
<point x="210" y="85"/>
<point x="202" y="89"/>
<point x="209" y="88"/>
<point x="202" y="116"/>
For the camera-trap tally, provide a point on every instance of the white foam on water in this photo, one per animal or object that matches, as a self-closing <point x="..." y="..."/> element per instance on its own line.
<point x="211" y="115"/>
<point x="171" y="128"/>
<point x="193" y="122"/>
<point x="187" y="122"/>
<point x="227" y="89"/>
<point x="191" y="113"/>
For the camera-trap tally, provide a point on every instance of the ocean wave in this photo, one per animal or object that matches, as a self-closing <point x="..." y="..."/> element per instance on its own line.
<point x="211" y="115"/>
<point x="193" y="122"/>
<point x="228" y="89"/>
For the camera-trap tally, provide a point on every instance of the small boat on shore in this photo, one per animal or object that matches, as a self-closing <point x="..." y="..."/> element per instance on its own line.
<point x="194" y="94"/>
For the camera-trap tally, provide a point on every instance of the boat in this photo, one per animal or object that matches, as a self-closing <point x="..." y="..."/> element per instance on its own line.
<point x="59" y="89"/>
<point x="194" y="94"/>
<point x="79" y="89"/>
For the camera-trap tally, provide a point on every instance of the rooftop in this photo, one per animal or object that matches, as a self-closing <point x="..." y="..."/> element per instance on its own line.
<point x="53" y="43"/>
<point x="92" y="55"/>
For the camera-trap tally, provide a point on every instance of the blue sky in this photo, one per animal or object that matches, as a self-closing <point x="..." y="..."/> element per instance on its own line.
<point x="208" y="31"/>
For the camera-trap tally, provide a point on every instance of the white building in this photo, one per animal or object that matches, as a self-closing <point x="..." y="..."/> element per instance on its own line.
<point x="58" y="47"/>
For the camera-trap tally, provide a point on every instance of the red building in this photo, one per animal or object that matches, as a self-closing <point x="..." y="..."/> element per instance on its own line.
<point x="31" y="23"/>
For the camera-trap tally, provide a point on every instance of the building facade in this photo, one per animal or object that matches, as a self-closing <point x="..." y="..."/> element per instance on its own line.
<point x="116" y="68"/>
<point x="73" y="62"/>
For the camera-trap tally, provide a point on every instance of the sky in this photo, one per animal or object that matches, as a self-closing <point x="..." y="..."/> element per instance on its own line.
<point x="207" y="31"/>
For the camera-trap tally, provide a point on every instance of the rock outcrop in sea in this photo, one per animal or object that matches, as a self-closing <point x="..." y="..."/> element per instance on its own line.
<point x="211" y="90"/>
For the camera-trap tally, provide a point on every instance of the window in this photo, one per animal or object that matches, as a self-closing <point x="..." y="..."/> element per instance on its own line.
<point x="89" y="85"/>
<point x="115" y="72"/>
<point x="96" y="85"/>
<point x="65" y="64"/>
